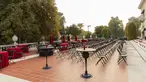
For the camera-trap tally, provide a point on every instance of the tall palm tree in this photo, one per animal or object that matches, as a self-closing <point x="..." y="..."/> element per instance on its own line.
<point x="80" y="25"/>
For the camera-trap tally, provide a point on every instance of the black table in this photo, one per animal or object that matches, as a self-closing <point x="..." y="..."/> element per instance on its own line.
<point x="43" y="51"/>
<point x="85" y="55"/>
<point x="46" y="51"/>
<point x="74" y="44"/>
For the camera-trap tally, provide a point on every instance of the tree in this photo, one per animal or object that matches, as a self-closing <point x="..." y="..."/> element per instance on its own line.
<point x="114" y="25"/>
<point x="137" y="23"/>
<point x="80" y="25"/>
<point x="62" y="22"/>
<point x="87" y="34"/>
<point x="47" y="16"/>
<point x="130" y="31"/>
<point x="28" y="19"/>
<point x="73" y="30"/>
<point x="17" y="18"/>
<point x="105" y="32"/>
<point x="98" y="30"/>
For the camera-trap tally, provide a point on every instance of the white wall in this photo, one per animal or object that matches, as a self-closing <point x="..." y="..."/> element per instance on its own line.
<point x="144" y="8"/>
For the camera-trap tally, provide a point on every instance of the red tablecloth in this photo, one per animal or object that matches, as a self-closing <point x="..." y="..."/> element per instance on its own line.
<point x="84" y="40"/>
<point x="16" y="50"/>
<point x="5" y="60"/>
<point x="63" y="46"/>
<point x="25" y="46"/>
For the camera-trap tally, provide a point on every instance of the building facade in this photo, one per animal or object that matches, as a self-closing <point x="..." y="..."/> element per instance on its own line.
<point x="142" y="7"/>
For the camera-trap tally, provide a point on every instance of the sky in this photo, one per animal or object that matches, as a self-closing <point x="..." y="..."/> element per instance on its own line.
<point x="97" y="12"/>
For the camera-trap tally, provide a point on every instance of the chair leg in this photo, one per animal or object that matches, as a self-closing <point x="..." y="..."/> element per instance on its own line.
<point x="124" y="58"/>
<point x="99" y="60"/>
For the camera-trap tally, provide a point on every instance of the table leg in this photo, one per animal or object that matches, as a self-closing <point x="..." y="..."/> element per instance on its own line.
<point x="86" y="75"/>
<point x="46" y="67"/>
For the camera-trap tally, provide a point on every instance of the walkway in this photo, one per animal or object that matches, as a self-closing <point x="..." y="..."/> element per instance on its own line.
<point x="67" y="70"/>
<point x="136" y="62"/>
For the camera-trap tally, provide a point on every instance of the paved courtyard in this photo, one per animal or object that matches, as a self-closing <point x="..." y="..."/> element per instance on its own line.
<point x="64" y="70"/>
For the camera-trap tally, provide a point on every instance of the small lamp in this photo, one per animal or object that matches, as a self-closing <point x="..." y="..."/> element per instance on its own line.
<point x="15" y="38"/>
<point x="83" y="37"/>
<point x="90" y="36"/>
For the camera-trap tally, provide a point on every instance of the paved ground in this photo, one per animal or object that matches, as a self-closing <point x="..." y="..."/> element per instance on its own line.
<point x="67" y="70"/>
<point x="136" y="62"/>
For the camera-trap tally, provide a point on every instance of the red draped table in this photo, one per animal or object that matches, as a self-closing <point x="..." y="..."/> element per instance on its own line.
<point x="16" y="51"/>
<point x="24" y="46"/>
<point x="63" y="46"/>
<point x="5" y="60"/>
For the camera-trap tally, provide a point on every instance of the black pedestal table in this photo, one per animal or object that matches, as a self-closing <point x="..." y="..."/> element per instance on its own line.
<point x="85" y="55"/>
<point x="47" y="49"/>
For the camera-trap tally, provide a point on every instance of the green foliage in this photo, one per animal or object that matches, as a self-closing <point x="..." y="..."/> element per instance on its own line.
<point x="94" y="35"/>
<point x="98" y="30"/>
<point x="62" y="21"/>
<point x="105" y="32"/>
<point x="47" y="16"/>
<point x="137" y="23"/>
<point x="130" y="31"/>
<point x="80" y="25"/>
<point x="116" y="27"/>
<point x="28" y="19"/>
<point x="87" y="34"/>
<point x="73" y="30"/>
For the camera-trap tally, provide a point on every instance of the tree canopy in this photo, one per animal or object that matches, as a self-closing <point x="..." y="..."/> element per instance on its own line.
<point x="28" y="19"/>
<point x="137" y="23"/>
<point x="130" y="31"/>
<point x="73" y="30"/>
<point x="116" y="27"/>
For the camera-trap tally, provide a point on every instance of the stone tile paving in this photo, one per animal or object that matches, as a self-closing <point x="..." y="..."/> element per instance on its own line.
<point x="67" y="70"/>
<point x="136" y="63"/>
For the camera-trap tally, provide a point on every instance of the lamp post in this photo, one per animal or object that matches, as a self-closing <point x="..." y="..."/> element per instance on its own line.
<point x="15" y="38"/>
<point x="88" y="27"/>
<point x="90" y="36"/>
<point x="83" y="37"/>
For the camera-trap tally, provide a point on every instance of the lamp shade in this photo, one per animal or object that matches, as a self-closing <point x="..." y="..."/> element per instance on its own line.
<point x="90" y="36"/>
<point x="83" y="37"/>
<point x="14" y="38"/>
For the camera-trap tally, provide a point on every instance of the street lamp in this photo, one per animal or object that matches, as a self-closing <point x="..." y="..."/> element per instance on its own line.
<point x="15" y="38"/>
<point x="90" y="36"/>
<point x="83" y="37"/>
<point x="88" y="27"/>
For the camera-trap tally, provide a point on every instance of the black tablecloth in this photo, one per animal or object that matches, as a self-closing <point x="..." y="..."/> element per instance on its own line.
<point x="43" y="51"/>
